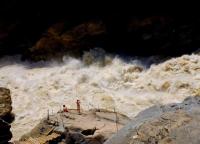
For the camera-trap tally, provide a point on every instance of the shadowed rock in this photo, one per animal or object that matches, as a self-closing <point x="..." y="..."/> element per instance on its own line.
<point x="5" y="115"/>
<point x="59" y="40"/>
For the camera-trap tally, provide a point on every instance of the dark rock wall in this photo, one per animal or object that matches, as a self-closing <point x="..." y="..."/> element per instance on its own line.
<point x="24" y="24"/>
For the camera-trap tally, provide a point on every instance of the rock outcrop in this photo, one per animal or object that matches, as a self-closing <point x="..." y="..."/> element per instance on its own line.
<point x="91" y="127"/>
<point x="169" y="124"/>
<point x="6" y="117"/>
<point x="59" y="40"/>
<point x="23" y="25"/>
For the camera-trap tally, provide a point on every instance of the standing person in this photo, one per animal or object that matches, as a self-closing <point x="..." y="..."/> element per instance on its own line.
<point x="78" y="106"/>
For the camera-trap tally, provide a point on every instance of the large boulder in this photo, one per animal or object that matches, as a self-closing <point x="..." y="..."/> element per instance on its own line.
<point x="169" y="124"/>
<point x="5" y="115"/>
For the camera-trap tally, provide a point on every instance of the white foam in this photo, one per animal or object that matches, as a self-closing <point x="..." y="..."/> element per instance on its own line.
<point x="44" y="86"/>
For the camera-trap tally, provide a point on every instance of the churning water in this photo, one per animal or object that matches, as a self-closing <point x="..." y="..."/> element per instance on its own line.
<point x="98" y="81"/>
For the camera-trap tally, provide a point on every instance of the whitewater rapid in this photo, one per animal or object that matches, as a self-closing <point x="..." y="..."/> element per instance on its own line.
<point x="128" y="86"/>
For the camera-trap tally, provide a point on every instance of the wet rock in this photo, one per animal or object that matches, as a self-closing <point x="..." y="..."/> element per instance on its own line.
<point x="168" y="124"/>
<point x="5" y="115"/>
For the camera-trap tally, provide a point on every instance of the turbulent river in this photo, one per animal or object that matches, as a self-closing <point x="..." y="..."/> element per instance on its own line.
<point x="129" y="86"/>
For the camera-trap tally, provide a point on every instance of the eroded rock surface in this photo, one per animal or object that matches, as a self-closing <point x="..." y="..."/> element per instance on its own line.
<point x="170" y="124"/>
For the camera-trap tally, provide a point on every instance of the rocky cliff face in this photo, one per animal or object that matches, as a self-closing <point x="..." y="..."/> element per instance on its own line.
<point x="58" y="40"/>
<point x="132" y="35"/>
<point x="42" y="30"/>
<point x="5" y="115"/>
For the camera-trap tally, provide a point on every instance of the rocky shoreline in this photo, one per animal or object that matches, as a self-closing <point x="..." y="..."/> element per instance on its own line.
<point x="164" y="124"/>
<point x="89" y="127"/>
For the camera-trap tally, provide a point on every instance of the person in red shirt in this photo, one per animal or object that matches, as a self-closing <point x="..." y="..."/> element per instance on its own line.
<point x="65" y="109"/>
